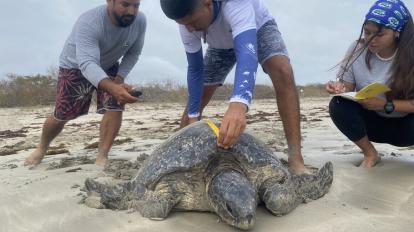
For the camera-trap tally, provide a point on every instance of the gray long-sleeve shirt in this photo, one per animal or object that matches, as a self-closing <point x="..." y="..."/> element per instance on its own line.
<point x="96" y="44"/>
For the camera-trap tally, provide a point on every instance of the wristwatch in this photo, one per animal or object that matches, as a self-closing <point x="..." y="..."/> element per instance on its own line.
<point x="389" y="106"/>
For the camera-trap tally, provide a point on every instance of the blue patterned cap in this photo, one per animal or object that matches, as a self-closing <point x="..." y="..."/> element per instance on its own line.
<point x="389" y="13"/>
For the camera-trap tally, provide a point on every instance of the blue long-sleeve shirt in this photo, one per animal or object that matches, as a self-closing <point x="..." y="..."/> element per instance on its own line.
<point x="246" y="56"/>
<point x="234" y="27"/>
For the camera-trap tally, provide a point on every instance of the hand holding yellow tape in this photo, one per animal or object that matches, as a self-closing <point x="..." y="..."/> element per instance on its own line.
<point x="212" y="126"/>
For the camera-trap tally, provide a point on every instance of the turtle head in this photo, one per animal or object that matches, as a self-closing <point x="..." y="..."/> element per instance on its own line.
<point x="234" y="199"/>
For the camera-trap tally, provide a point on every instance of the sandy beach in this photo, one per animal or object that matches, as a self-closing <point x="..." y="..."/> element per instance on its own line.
<point x="46" y="198"/>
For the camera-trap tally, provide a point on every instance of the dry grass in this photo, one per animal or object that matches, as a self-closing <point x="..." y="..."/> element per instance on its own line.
<point x="41" y="90"/>
<point x="27" y="90"/>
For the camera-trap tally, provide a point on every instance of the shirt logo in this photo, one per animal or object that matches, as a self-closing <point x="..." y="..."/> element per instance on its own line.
<point x="251" y="48"/>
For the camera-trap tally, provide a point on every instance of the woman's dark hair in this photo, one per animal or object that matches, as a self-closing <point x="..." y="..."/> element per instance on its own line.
<point x="401" y="81"/>
<point x="177" y="9"/>
<point x="360" y="46"/>
<point x="402" y="77"/>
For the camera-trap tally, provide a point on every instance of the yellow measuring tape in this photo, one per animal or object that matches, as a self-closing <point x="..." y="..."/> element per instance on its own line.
<point x="212" y="126"/>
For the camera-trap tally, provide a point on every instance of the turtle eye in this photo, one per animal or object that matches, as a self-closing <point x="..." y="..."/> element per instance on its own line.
<point x="229" y="209"/>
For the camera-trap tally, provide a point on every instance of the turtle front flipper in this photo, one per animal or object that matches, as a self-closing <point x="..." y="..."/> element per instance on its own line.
<point x="156" y="205"/>
<point x="283" y="195"/>
<point x="279" y="196"/>
<point x="314" y="186"/>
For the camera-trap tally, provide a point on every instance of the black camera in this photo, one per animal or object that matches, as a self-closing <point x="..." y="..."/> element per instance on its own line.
<point x="136" y="93"/>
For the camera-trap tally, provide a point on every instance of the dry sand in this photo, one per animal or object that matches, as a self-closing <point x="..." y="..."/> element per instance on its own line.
<point x="46" y="198"/>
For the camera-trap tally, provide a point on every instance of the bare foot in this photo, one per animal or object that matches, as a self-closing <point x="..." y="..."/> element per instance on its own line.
<point x="297" y="166"/>
<point x="101" y="160"/>
<point x="35" y="158"/>
<point x="370" y="161"/>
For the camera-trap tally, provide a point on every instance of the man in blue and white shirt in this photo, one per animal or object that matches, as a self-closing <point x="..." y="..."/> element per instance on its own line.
<point x="240" y="32"/>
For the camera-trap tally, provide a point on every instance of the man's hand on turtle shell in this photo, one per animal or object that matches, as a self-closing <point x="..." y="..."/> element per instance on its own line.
<point x="233" y="125"/>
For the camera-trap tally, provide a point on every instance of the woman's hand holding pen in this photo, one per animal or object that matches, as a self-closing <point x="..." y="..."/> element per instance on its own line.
<point x="335" y="87"/>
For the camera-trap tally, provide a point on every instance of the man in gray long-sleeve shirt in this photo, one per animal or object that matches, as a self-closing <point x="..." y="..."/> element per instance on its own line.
<point x="90" y="61"/>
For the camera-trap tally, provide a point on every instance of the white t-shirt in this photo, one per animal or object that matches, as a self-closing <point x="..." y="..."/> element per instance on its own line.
<point x="361" y="76"/>
<point x="235" y="17"/>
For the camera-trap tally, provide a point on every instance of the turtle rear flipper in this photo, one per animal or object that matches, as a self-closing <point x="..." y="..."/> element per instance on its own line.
<point x="112" y="196"/>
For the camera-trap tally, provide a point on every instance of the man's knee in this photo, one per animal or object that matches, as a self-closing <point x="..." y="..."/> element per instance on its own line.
<point x="279" y="67"/>
<point x="208" y="93"/>
<point x="113" y="114"/>
<point x="52" y="120"/>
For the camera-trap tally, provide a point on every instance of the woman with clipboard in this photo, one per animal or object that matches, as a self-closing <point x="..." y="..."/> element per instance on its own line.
<point x="383" y="53"/>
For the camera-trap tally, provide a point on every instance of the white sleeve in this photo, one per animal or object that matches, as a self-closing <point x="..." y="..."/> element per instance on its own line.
<point x="192" y="43"/>
<point x="240" y="14"/>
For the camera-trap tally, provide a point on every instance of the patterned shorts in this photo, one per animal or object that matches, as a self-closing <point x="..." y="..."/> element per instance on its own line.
<point x="219" y="62"/>
<point x="74" y="95"/>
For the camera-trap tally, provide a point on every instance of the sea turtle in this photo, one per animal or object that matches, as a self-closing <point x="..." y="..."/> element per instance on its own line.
<point x="189" y="172"/>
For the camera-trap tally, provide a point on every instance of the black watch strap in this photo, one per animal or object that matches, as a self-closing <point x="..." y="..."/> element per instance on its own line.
<point x="389" y="106"/>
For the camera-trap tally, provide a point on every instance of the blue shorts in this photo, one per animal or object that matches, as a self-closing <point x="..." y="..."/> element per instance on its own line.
<point x="219" y="62"/>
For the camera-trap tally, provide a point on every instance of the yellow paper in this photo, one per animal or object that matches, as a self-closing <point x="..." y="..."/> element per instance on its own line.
<point x="369" y="91"/>
<point x="212" y="126"/>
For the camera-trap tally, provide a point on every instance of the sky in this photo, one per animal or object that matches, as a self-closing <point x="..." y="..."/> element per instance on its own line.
<point x="317" y="34"/>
